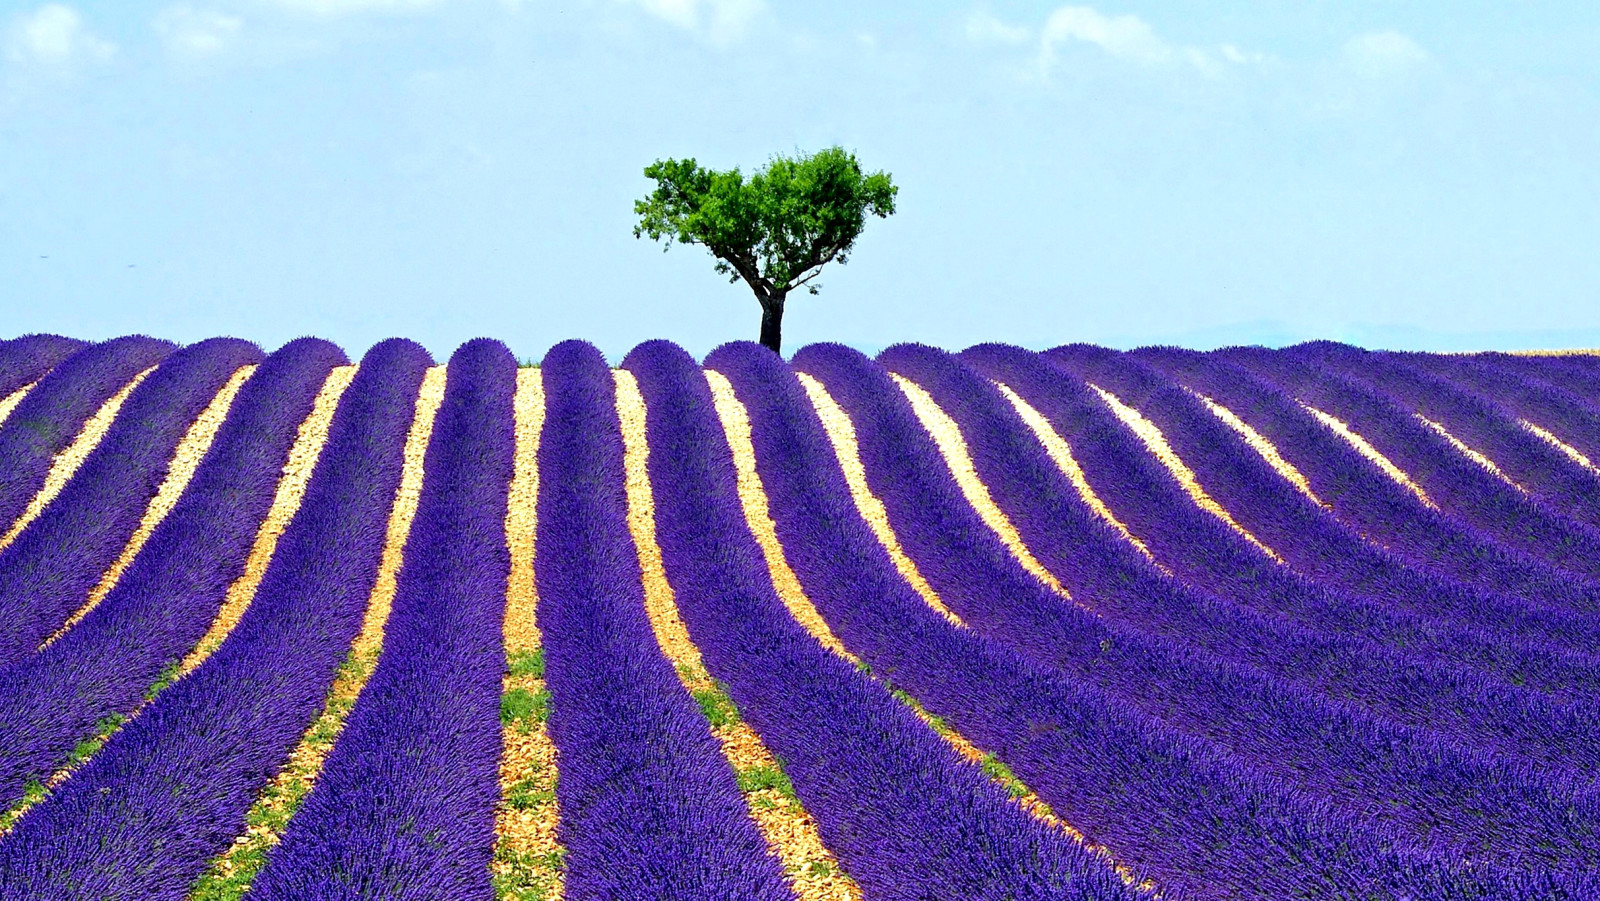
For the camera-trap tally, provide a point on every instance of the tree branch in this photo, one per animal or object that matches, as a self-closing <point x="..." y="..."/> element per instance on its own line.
<point x="816" y="268"/>
<point x="747" y="270"/>
<point x="813" y="274"/>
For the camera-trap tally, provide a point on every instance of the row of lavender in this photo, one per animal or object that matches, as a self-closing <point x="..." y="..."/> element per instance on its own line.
<point x="1407" y="708"/>
<point x="1329" y="780"/>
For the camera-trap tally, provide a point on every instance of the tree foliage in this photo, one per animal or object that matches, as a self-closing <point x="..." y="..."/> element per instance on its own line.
<point x="775" y="229"/>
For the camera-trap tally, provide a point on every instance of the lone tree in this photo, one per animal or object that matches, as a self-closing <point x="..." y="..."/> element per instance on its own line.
<point x="775" y="230"/>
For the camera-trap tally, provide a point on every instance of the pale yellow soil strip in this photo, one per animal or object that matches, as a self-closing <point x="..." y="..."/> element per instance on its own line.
<point x="230" y="873"/>
<point x="528" y="856"/>
<point x="953" y="447"/>
<point x="1268" y="451"/>
<point x="753" y="497"/>
<point x="12" y="399"/>
<point x="72" y="456"/>
<point x="1365" y="449"/>
<point x="1548" y="353"/>
<point x="791" y="833"/>
<point x="842" y="435"/>
<point x="185" y="460"/>
<point x="1153" y="439"/>
<point x="1575" y="455"/>
<point x="302" y="459"/>
<point x="1468" y="452"/>
<point x="1061" y="454"/>
<point x="297" y="469"/>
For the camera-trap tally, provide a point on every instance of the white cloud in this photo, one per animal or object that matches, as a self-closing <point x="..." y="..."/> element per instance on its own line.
<point x="984" y="28"/>
<point x="1383" y="54"/>
<point x="187" y="31"/>
<point x="53" y="35"/>
<point x="343" y="7"/>
<point x="722" y="21"/>
<point x="1125" y="37"/>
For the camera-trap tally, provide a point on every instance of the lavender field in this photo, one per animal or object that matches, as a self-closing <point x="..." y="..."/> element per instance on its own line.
<point x="1313" y="623"/>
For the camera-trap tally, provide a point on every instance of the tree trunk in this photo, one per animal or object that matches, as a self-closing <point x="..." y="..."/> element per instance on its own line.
<point x="772" y="323"/>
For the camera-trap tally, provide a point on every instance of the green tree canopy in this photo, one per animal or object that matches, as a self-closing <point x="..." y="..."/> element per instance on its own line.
<point x="776" y="229"/>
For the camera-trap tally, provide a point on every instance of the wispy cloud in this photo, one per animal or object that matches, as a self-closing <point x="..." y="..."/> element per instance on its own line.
<point x="191" y="32"/>
<point x="720" y="21"/>
<point x="1125" y="37"/>
<point x="1383" y="54"/>
<point x="54" y="36"/>
<point x="984" y="28"/>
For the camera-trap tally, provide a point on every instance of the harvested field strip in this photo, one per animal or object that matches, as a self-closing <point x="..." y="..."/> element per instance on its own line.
<point x="983" y="689"/>
<point x="49" y="571"/>
<point x="1538" y="402"/>
<point x="1572" y="453"/>
<point x="1159" y="675"/>
<point x="1369" y="501"/>
<point x="1486" y="426"/>
<point x="842" y="435"/>
<point x="185" y="460"/>
<point x="229" y="875"/>
<point x="67" y="700"/>
<point x="426" y="726"/>
<point x="1269" y="451"/>
<point x="1469" y="453"/>
<point x="1555" y="526"/>
<point x="1364" y="762"/>
<point x="754" y="498"/>
<point x="649" y="805"/>
<point x="757" y="508"/>
<point x="947" y="436"/>
<point x="1350" y="598"/>
<point x="1153" y="439"/>
<point x="286" y="500"/>
<point x="1490" y="538"/>
<point x="1329" y="550"/>
<point x="47" y="421"/>
<point x="790" y="832"/>
<point x="862" y="806"/>
<point x="528" y="855"/>
<point x="1061" y="454"/>
<point x="12" y="399"/>
<point x="164" y="795"/>
<point x="67" y="462"/>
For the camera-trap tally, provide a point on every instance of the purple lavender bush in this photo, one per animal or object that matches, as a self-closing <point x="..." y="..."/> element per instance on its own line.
<point x="906" y="817"/>
<point x="404" y="806"/>
<point x="48" y="571"/>
<point x="649" y="806"/>
<point x="169" y="791"/>
<point x="49" y="418"/>
<point x="27" y="359"/>
<point x="102" y="667"/>
<point x="1205" y="554"/>
<point x="1317" y="545"/>
<point x="1570" y="416"/>
<point x="1160" y="801"/>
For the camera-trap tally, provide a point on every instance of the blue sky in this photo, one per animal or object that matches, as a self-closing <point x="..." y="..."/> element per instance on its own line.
<point x="1421" y="175"/>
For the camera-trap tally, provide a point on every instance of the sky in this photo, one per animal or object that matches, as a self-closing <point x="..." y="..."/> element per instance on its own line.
<point x="1421" y="175"/>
